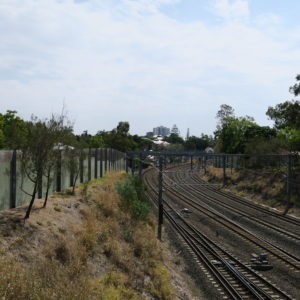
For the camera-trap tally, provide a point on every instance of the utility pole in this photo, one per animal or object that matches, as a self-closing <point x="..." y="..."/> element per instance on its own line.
<point x="224" y="169"/>
<point x="160" y="200"/>
<point x="289" y="177"/>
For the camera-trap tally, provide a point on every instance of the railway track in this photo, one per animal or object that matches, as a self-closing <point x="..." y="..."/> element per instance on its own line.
<point x="234" y="279"/>
<point x="182" y="194"/>
<point x="283" y="225"/>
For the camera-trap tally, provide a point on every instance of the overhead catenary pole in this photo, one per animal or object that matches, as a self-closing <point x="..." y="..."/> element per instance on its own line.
<point x="289" y="177"/>
<point x="160" y="200"/>
<point x="224" y="169"/>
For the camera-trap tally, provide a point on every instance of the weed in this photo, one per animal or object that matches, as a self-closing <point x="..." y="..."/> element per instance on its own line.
<point x="84" y="190"/>
<point x="161" y="287"/>
<point x="133" y="198"/>
<point x="113" y="286"/>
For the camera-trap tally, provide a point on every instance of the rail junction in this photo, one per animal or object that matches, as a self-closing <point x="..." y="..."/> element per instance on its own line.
<point x="246" y="251"/>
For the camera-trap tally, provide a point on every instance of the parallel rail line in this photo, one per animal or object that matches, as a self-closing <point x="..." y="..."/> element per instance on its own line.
<point x="238" y="281"/>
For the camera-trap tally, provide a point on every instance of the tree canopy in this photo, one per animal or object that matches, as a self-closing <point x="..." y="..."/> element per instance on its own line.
<point x="236" y="132"/>
<point x="295" y="89"/>
<point x="285" y="114"/>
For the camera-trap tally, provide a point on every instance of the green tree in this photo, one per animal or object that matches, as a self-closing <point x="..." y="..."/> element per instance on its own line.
<point x="38" y="156"/>
<point x="290" y="138"/>
<point x="174" y="138"/>
<point x="286" y="114"/>
<point x="225" y="111"/>
<point x="12" y="130"/>
<point x="235" y="133"/>
<point x="295" y="89"/>
<point x="96" y="141"/>
<point x="119" y="138"/>
<point x="198" y="143"/>
<point x="123" y="128"/>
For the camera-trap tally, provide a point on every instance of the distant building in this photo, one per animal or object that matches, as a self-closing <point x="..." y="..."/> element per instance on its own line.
<point x="188" y="134"/>
<point x="149" y="134"/>
<point x="175" y="130"/>
<point x="161" y="130"/>
<point x="209" y="150"/>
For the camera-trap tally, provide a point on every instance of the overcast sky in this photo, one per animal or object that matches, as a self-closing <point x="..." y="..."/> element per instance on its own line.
<point x="148" y="62"/>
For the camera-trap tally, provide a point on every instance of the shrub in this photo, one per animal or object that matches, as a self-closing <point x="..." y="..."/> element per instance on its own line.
<point x="133" y="198"/>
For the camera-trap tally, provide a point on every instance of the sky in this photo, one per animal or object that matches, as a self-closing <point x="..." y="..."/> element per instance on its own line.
<point x="148" y="62"/>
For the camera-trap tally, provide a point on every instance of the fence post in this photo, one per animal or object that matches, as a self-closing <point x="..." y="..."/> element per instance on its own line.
<point x="110" y="159"/>
<point x="191" y="162"/>
<point x="13" y="180"/>
<point x="89" y="164"/>
<point x="105" y="161"/>
<point x="81" y="166"/>
<point x="160" y="201"/>
<point x="96" y="164"/>
<point x="58" y="172"/>
<point x="101" y="162"/>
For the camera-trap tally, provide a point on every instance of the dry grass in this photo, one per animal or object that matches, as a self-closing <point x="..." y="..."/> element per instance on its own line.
<point x="82" y="247"/>
<point x="265" y="187"/>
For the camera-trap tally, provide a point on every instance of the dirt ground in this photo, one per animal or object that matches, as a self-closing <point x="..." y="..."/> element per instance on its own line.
<point x="41" y="236"/>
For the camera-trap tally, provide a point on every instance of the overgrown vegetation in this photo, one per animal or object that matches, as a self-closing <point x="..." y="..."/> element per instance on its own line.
<point x="133" y="198"/>
<point x="106" y="253"/>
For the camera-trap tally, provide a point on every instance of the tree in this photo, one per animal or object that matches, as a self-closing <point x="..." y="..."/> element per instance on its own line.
<point x="289" y="137"/>
<point x="73" y="159"/>
<point x="59" y="135"/>
<point x="39" y="152"/>
<point x="174" y="138"/>
<point x="198" y="143"/>
<point x="235" y="133"/>
<point x="12" y="130"/>
<point x="119" y="138"/>
<point x="285" y="114"/>
<point x="225" y="111"/>
<point x="123" y="128"/>
<point x="295" y="89"/>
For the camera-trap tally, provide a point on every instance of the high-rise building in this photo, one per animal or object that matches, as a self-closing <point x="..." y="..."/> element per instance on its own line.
<point x="161" y="130"/>
<point x="188" y="134"/>
<point x="175" y="130"/>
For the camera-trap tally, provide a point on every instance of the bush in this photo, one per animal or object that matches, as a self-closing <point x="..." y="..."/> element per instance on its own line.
<point x="133" y="198"/>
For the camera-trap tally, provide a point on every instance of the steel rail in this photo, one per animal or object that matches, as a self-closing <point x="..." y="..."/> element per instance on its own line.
<point x="255" y="290"/>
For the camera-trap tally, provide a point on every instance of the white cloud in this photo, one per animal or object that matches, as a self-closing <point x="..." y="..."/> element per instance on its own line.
<point x="134" y="63"/>
<point x="237" y="10"/>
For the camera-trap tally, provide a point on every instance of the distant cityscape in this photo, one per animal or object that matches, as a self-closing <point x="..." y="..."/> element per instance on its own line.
<point x="163" y="131"/>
